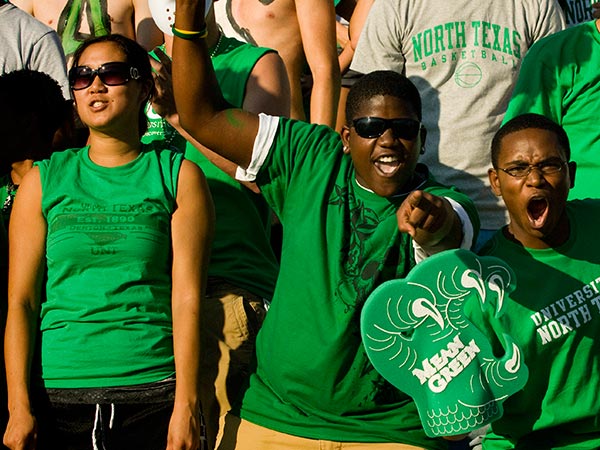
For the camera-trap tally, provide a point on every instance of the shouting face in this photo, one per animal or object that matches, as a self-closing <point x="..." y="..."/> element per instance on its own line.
<point x="534" y="177"/>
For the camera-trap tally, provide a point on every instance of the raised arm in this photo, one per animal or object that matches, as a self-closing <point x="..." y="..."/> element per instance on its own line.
<point x="192" y="228"/>
<point x="27" y="237"/>
<point x="316" y="19"/>
<point x="203" y="112"/>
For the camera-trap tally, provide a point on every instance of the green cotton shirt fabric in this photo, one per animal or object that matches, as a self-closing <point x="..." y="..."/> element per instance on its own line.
<point x="560" y="79"/>
<point x="241" y="252"/>
<point x="106" y="319"/>
<point x="340" y="241"/>
<point x="554" y="316"/>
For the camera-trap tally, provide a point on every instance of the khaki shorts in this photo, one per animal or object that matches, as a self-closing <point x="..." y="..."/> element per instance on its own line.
<point x="243" y="435"/>
<point x="231" y="318"/>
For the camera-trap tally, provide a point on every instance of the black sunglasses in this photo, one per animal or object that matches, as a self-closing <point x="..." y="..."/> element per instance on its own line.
<point x="111" y="74"/>
<point x="373" y="127"/>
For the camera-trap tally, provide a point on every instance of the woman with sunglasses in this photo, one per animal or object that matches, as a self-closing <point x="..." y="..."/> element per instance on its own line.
<point x="124" y="232"/>
<point x="353" y="209"/>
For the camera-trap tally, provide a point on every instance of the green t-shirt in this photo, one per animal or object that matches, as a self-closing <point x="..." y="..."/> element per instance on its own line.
<point x="241" y="252"/>
<point x="560" y="79"/>
<point x="340" y="242"/>
<point x="106" y="319"/>
<point x="554" y="316"/>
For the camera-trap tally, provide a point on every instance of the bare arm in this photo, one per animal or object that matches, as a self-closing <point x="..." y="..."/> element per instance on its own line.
<point x="268" y="88"/>
<point x="191" y="229"/>
<point x="27" y="237"/>
<point x="147" y="34"/>
<point x="316" y="19"/>
<point x="203" y="112"/>
<point x="357" y="21"/>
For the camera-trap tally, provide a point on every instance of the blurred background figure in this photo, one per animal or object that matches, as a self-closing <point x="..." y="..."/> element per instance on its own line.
<point x="77" y="20"/>
<point x="302" y="32"/>
<point x="26" y="43"/>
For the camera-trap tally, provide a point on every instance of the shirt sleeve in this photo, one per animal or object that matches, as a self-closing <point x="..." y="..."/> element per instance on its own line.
<point x="267" y="130"/>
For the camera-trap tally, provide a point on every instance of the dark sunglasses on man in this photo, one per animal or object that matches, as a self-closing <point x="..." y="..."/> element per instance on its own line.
<point x="111" y="74"/>
<point x="373" y="127"/>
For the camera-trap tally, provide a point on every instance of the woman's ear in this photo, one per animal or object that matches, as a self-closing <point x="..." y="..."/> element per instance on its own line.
<point x="147" y="91"/>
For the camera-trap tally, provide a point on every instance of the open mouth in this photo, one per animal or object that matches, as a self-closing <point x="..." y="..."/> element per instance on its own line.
<point x="537" y="212"/>
<point x="387" y="165"/>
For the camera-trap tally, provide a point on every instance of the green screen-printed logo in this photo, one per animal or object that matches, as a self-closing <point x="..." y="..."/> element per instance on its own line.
<point x="419" y="337"/>
<point x="468" y="75"/>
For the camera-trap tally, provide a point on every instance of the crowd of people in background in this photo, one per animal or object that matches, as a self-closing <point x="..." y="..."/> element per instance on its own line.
<point x="198" y="199"/>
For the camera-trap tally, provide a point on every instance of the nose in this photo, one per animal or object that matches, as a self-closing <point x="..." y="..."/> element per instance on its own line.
<point x="97" y="84"/>
<point x="387" y="137"/>
<point x="535" y="177"/>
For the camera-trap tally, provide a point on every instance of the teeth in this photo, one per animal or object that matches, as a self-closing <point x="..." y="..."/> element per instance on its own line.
<point x="96" y="103"/>
<point x="387" y="159"/>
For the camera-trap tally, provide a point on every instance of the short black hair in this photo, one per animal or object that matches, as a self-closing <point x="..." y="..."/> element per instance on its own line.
<point x="381" y="82"/>
<point x="25" y="94"/>
<point x="135" y="55"/>
<point x="524" y="122"/>
<point x="25" y="90"/>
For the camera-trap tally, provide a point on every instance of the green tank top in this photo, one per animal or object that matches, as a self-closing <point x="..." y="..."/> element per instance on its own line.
<point x="106" y="319"/>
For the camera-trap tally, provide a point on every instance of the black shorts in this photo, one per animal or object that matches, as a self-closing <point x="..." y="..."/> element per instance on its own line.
<point x="132" y="417"/>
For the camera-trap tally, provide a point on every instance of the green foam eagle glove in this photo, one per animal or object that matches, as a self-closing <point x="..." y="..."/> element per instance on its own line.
<point x="418" y="336"/>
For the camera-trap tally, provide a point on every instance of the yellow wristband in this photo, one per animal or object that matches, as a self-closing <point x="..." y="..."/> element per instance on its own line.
<point x="190" y="35"/>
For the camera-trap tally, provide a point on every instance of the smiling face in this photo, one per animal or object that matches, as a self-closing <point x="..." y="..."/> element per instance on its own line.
<point x="535" y="202"/>
<point x="384" y="164"/>
<point x="109" y="109"/>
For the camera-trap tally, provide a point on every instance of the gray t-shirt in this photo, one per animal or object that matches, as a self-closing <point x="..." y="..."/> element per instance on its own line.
<point x="26" y="43"/>
<point x="464" y="57"/>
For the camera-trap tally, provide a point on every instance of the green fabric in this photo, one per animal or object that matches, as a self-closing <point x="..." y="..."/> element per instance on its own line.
<point x="560" y="79"/>
<point x="106" y="320"/>
<point x="241" y="251"/>
<point x="340" y="241"/>
<point x="553" y="315"/>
